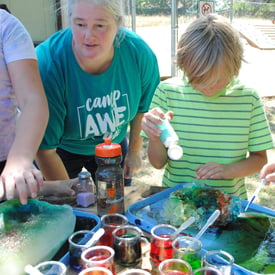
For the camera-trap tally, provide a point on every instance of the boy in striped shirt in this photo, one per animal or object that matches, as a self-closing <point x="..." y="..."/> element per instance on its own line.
<point x="221" y="124"/>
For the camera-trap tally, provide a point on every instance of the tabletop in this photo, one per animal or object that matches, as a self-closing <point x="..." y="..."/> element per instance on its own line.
<point x="132" y="194"/>
<point x="145" y="264"/>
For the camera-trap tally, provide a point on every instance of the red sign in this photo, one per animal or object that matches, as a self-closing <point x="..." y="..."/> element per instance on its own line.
<point x="206" y="7"/>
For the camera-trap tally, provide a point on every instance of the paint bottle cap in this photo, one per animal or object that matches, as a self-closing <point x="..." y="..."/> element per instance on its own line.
<point x="175" y="152"/>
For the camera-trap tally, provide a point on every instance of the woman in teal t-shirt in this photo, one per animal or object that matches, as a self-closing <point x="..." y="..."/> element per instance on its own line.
<point x="99" y="78"/>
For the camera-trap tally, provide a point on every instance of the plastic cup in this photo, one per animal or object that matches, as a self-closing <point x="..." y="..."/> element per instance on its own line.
<point x="206" y="271"/>
<point x="98" y="256"/>
<point x="135" y="271"/>
<point x="188" y="249"/>
<point x="51" y="268"/>
<point x="77" y="244"/>
<point x="175" y="267"/>
<point x="161" y="243"/>
<point x="110" y="222"/>
<point x="127" y="245"/>
<point x="96" y="271"/>
<point x="220" y="260"/>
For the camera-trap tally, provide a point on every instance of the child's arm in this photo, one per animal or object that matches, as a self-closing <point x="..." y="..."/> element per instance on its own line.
<point x="252" y="164"/>
<point x="157" y="153"/>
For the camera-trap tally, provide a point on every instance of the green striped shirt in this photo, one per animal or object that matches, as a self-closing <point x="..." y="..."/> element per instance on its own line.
<point x="222" y="128"/>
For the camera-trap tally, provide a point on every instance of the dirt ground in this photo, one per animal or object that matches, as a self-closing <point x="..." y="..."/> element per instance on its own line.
<point x="149" y="176"/>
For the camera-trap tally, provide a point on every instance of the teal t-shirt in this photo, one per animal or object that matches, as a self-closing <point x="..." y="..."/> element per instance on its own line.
<point x="222" y="128"/>
<point x="84" y="108"/>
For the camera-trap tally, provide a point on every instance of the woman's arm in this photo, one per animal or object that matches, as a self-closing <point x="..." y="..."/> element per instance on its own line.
<point x="133" y="161"/>
<point x="19" y="171"/>
<point x="51" y="165"/>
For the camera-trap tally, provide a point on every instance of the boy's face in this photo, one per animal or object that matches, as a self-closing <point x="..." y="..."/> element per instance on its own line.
<point x="212" y="89"/>
<point x="215" y="82"/>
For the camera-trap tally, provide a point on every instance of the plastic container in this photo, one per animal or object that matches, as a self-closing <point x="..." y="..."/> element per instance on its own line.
<point x="141" y="215"/>
<point x="109" y="178"/>
<point x="170" y="140"/>
<point x="84" y="221"/>
<point x="85" y="189"/>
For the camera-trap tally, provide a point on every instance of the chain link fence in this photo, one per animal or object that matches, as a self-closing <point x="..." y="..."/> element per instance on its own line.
<point x="264" y="9"/>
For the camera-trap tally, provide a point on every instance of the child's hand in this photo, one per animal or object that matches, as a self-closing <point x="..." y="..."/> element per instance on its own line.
<point x="211" y="170"/>
<point x="151" y="118"/>
<point x="268" y="172"/>
<point x="59" y="187"/>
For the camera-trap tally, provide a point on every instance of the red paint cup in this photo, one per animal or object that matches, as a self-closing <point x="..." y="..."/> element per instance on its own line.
<point x="161" y="243"/>
<point x="110" y="222"/>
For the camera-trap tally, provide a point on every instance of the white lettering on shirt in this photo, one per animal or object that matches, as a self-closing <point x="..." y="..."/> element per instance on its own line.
<point x="100" y="123"/>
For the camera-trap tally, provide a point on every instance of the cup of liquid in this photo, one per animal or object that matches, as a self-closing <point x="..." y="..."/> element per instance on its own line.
<point x="135" y="271"/>
<point x="161" y="243"/>
<point x="127" y="245"/>
<point x="96" y="271"/>
<point x="98" y="256"/>
<point x="77" y="244"/>
<point x="188" y="249"/>
<point x="174" y="267"/>
<point x="220" y="260"/>
<point x="110" y="222"/>
<point x="207" y="271"/>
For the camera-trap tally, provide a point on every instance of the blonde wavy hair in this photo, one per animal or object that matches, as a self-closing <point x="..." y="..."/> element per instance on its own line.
<point x="208" y="45"/>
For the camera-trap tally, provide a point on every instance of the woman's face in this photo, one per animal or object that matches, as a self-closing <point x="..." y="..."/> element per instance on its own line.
<point x="94" y="30"/>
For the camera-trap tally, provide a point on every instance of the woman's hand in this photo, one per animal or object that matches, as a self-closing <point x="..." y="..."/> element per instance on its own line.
<point x="20" y="179"/>
<point x="132" y="163"/>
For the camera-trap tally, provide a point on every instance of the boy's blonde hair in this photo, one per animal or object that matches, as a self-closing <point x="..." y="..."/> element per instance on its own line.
<point x="208" y="46"/>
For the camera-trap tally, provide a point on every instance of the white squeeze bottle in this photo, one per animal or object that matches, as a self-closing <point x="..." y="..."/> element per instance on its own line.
<point x="170" y="140"/>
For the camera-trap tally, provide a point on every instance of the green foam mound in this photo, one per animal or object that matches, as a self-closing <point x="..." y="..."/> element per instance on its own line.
<point x="32" y="233"/>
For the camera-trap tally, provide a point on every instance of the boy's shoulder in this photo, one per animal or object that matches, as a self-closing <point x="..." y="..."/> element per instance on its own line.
<point x="175" y="84"/>
<point x="236" y="87"/>
<point x="173" y="81"/>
